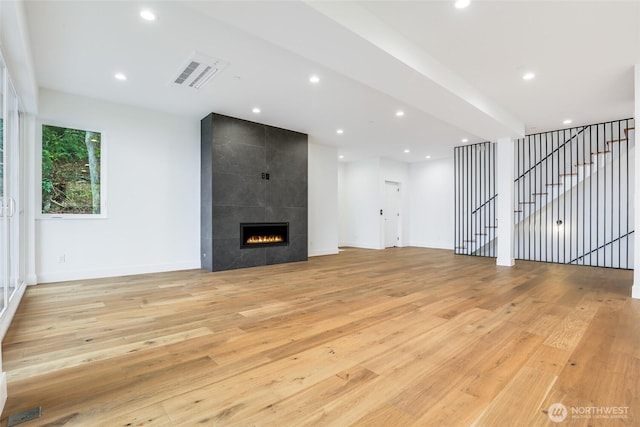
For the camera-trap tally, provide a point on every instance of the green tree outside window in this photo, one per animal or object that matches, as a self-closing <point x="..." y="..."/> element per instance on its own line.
<point x="70" y="171"/>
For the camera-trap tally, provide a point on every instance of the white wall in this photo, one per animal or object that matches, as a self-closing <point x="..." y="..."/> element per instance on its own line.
<point x="361" y="201"/>
<point x="323" y="199"/>
<point x="361" y="187"/>
<point x="394" y="171"/>
<point x="153" y="194"/>
<point x="343" y="225"/>
<point x="431" y="211"/>
<point x="14" y="41"/>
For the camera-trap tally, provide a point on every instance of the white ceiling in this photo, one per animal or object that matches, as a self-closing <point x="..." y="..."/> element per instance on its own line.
<point x="455" y="73"/>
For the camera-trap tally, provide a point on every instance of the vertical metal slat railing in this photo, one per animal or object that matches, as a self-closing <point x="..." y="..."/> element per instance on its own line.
<point x="475" y="199"/>
<point x="574" y="194"/>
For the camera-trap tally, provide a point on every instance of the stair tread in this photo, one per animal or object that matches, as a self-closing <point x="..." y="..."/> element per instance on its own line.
<point x="553" y="183"/>
<point x="480" y="234"/>
<point x="601" y="152"/>
<point x="490" y="226"/>
<point x="517" y="211"/>
<point x="540" y="194"/>
<point x="569" y="174"/>
<point x="527" y="203"/>
<point x="583" y="163"/>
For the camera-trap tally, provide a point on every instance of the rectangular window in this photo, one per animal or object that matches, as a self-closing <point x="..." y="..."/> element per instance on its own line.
<point x="71" y="171"/>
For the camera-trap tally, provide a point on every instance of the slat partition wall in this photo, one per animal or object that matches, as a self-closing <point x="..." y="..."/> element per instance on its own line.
<point x="574" y="195"/>
<point x="475" y="199"/>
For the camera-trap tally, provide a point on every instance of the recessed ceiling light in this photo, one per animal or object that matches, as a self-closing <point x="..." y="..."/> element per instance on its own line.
<point x="148" y="15"/>
<point x="465" y="140"/>
<point x="120" y="76"/>
<point x="341" y="156"/>
<point x="399" y="113"/>
<point x="427" y="157"/>
<point x="406" y="151"/>
<point x="256" y="110"/>
<point x="461" y="4"/>
<point x="339" y="131"/>
<point x="528" y="76"/>
<point x="567" y="122"/>
<point x="314" y="79"/>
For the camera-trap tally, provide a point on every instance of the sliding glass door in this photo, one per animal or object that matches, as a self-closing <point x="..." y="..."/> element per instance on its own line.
<point x="4" y="203"/>
<point x="11" y="271"/>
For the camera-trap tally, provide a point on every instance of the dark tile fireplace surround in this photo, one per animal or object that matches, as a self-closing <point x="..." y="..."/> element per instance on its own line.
<point x="253" y="194"/>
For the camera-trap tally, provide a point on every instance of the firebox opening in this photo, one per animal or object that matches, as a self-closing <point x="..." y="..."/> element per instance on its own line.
<point x="255" y="235"/>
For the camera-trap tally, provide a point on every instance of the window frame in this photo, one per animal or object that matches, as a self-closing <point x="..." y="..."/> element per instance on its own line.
<point x="103" y="172"/>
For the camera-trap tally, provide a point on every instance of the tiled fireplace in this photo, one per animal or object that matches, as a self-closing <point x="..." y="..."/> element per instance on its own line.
<point x="253" y="180"/>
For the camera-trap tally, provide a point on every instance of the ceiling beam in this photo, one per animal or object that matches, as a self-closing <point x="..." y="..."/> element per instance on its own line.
<point x="441" y="92"/>
<point x="350" y="40"/>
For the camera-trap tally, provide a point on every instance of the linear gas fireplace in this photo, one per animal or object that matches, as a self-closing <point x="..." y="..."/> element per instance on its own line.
<point x="256" y="235"/>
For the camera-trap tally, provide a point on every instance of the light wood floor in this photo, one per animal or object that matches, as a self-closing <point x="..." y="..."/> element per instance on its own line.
<point x="399" y="337"/>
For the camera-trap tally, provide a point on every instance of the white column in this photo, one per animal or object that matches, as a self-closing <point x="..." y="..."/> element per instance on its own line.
<point x="504" y="177"/>
<point x="635" y="291"/>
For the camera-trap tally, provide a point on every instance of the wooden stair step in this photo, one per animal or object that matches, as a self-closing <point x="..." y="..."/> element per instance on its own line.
<point x="569" y="174"/>
<point x="553" y="183"/>
<point x="627" y="130"/>
<point x="480" y="234"/>
<point x="527" y="203"/>
<point x="490" y="226"/>
<point x="600" y="152"/>
<point x="517" y="211"/>
<point x="583" y="163"/>
<point x="616" y="140"/>
<point x="540" y="194"/>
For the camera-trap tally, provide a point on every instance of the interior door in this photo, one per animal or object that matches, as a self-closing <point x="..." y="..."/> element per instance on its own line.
<point x="391" y="213"/>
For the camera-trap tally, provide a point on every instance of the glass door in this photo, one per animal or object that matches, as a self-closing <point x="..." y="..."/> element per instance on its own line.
<point x="4" y="203"/>
<point x="11" y="277"/>
<point x="12" y="190"/>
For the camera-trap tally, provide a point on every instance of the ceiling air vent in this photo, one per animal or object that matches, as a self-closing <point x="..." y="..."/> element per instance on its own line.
<point x="198" y="71"/>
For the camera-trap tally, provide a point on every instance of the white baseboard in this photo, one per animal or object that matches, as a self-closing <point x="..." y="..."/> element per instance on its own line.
<point x="432" y="244"/>
<point x="63" y="276"/>
<point x="505" y="262"/>
<point x="32" y="279"/>
<point x="321" y="252"/>
<point x="635" y="291"/>
<point x="361" y="246"/>
<point x="3" y="391"/>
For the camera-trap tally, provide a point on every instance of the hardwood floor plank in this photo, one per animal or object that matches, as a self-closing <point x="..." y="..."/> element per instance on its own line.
<point x="401" y="337"/>
<point x="520" y="402"/>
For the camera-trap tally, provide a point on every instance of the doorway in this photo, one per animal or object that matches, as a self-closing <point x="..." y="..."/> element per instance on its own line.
<point x="391" y="214"/>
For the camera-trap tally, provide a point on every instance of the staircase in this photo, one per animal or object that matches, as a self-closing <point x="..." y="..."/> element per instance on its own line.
<point x="475" y="199"/>
<point x="573" y="196"/>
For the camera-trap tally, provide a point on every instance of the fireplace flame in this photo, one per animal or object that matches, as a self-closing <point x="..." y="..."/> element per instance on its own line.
<point x="254" y="240"/>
